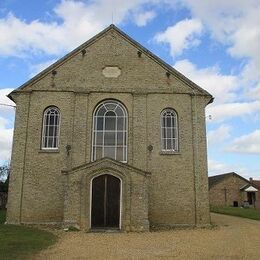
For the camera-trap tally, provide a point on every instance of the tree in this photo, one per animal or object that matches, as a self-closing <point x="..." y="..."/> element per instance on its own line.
<point x="4" y="177"/>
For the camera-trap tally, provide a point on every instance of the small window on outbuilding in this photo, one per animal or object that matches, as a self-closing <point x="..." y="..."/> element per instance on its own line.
<point x="169" y="130"/>
<point x="51" y="128"/>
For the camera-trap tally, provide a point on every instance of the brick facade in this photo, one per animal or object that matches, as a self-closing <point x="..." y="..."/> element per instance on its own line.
<point x="228" y="189"/>
<point x="177" y="186"/>
<point x="256" y="183"/>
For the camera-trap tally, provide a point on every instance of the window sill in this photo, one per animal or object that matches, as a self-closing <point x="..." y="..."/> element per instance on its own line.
<point x="49" y="151"/>
<point x="169" y="153"/>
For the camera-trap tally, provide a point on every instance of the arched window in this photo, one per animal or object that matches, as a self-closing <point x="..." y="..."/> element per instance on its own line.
<point x="51" y="128"/>
<point x="169" y="130"/>
<point x="110" y="131"/>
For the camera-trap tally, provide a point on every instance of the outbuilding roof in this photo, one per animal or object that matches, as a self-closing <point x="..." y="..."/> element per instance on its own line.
<point x="256" y="183"/>
<point x="213" y="180"/>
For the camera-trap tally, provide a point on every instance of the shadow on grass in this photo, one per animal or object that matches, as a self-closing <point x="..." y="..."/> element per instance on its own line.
<point x="20" y="242"/>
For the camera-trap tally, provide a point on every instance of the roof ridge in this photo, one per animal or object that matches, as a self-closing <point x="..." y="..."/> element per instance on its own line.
<point x="222" y="174"/>
<point x="213" y="180"/>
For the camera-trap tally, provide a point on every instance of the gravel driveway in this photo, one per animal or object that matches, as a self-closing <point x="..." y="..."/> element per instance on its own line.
<point x="232" y="238"/>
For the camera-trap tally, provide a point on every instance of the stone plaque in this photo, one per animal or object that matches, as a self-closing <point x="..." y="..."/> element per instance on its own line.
<point x="111" y="72"/>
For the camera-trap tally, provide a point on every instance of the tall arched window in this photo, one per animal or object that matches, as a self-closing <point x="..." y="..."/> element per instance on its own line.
<point x="51" y="128"/>
<point x="169" y="130"/>
<point x="110" y="131"/>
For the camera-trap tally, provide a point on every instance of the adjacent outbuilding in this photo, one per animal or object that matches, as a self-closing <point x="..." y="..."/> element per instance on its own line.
<point x="231" y="189"/>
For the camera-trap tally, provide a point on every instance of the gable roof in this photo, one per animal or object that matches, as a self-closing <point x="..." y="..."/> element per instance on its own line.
<point x="141" y="48"/>
<point x="103" y="162"/>
<point x="249" y="187"/>
<point x="213" y="180"/>
<point x="256" y="183"/>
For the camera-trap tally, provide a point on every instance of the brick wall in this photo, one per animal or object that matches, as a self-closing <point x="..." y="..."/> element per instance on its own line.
<point x="227" y="191"/>
<point x="178" y="191"/>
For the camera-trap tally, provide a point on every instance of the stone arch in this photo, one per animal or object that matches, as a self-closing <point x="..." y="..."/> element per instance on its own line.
<point x="134" y="197"/>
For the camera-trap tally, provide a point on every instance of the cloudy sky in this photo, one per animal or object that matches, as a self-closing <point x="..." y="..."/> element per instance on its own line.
<point x="216" y="43"/>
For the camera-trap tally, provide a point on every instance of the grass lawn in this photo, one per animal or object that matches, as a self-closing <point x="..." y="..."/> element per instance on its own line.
<point x="239" y="212"/>
<point x="19" y="242"/>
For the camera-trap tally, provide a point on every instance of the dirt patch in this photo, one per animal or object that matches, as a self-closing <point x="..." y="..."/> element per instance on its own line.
<point x="233" y="238"/>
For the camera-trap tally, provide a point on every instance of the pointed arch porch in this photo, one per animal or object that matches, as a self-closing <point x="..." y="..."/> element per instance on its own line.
<point x="133" y="197"/>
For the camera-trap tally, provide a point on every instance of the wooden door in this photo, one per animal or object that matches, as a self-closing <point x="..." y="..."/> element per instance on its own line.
<point x="105" y="210"/>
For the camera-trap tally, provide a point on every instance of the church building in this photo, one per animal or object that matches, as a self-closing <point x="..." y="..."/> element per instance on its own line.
<point x="109" y="137"/>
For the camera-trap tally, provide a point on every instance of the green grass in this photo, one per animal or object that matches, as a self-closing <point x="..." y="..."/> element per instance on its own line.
<point x="2" y="216"/>
<point x="20" y="242"/>
<point x="239" y="212"/>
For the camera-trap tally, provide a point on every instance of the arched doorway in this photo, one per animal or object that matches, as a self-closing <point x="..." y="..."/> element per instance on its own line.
<point x="105" y="204"/>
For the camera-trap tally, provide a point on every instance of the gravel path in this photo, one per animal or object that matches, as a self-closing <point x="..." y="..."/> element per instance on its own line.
<point x="232" y="238"/>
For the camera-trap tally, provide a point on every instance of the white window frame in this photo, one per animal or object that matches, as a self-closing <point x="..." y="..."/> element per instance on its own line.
<point x="174" y="131"/>
<point x="45" y="130"/>
<point x="124" y="131"/>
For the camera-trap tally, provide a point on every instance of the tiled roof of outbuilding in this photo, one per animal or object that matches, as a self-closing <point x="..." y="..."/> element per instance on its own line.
<point x="213" y="180"/>
<point x="256" y="183"/>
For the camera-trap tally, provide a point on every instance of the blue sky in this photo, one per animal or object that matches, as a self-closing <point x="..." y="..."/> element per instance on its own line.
<point x="215" y="43"/>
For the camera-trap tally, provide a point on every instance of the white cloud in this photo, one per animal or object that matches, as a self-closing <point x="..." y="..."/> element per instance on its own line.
<point x="223" y="17"/>
<point x="6" y="136"/>
<point x="18" y="37"/>
<point x="6" y="124"/>
<point x="254" y="93"/>
<point x="222" y="87"/>
<point x="225" y="89"/>
<point x="235" y="24"/>
<point x="249" y="143"/>
<point x="216" y="167"/>
<point x="79" y="21"/>
<point x="36" y="68"/>
<point x="183" y="35"/>
<point x="219" y="135"/>
<point x="141" y="19"/>
<point x="4" y="100"/>
<point x="222" y="112"/>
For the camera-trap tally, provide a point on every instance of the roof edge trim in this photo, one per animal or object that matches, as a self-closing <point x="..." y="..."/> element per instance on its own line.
<point x="154" y="57"/>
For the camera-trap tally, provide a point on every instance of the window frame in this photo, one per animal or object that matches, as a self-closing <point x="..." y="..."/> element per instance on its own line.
<point x="124" y="131"/>
<point x="43" y="136"/>
<point x="164" y="127"/>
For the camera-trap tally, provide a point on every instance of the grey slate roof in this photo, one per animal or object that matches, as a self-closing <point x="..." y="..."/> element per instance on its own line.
<point x="257" y="183"/>
<point x="213" y="180"/>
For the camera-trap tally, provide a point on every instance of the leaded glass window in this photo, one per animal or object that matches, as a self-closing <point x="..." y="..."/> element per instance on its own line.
<point x="169" y="130"/>
<point x="110" y="131"/>
<point x="51" y="128"/>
